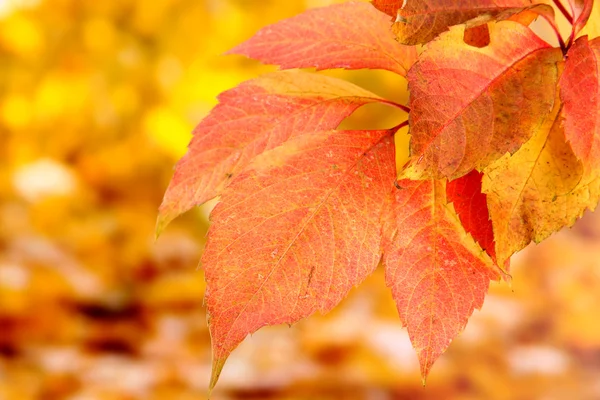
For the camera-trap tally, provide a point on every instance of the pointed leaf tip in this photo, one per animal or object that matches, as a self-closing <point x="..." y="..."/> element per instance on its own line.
<point x="307" y="216"/>
<point x="217" y="368"/>
<point x="161" y="223"/>
<point x="350" y="35"/>
<point x="254" y="117"/>
<point x="437" y="273"/>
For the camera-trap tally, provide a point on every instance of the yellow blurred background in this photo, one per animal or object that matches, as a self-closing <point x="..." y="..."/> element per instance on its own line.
<point x="97" y="102"/>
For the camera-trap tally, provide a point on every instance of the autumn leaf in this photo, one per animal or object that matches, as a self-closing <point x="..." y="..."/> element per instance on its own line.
<point x="580" y="93"/>
<point x="418" y="22"/>
<point x="469" y="105"/>
<point x="503" y="152"/>
<point x="437" y="273"/>
<point x="350" y="35"/>
<point x="295" y="232"/>
<point x="256" y="116"/>
<point x="538" y="190"/>
<point x="471" y="206"/>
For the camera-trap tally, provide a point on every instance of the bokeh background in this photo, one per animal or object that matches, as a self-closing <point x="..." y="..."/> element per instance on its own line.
<point x="97" y="102"/>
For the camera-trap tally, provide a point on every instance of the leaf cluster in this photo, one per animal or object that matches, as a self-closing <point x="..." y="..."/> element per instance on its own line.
<point x="505" y="150"/>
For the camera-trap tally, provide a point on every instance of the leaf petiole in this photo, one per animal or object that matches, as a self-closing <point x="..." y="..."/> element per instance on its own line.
<point x="554" y="27"/>
<point x="401" y="125"/>
<point x="564" y="11"/>
<point x="402" y="107"/>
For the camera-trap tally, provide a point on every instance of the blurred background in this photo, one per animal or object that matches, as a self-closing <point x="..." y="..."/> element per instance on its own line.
<point x="97" y="102"/>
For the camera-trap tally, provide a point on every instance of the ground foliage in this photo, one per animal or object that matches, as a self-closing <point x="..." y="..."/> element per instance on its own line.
<point x="505" y="132"/>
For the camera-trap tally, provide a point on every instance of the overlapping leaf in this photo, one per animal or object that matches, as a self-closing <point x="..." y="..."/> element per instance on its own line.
<point x="256" y="116"/>
<point x="537" y="191"/>
<point x="350" y="35"/>
<point x="437" y="273"/>
<point x="295" y="232"/>
<point x="469" y="105"/>
<point x="499" y="158"/>
<point x="418" y="22"/>
<point x="580" y="93"/>
<point x="471" y="206"/>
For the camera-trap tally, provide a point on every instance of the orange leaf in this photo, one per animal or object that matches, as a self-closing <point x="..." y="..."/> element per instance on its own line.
<point x="580" y="93"/>
<point x="437" y="273"/>
<point x="469" y="106"/>
<point x="256" y="116"/>
<point x="350" y="35"/>
<point x="295" y="232"/>
<point x="418" y="22"/>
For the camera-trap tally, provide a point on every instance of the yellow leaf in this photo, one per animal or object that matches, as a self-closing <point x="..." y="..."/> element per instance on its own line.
<point x="538" y="190"/>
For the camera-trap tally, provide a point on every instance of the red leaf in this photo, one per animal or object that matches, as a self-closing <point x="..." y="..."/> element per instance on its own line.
<point x="256" y="116"/>
<point x="469" y="106"/>
<point x="472" y="209"/>
<point x="295" y="232"/>
<point x="437" y="273"/>
<point x="350" y="35"/>
<point x="580" y="94"/>
<point x="418" y="22"/>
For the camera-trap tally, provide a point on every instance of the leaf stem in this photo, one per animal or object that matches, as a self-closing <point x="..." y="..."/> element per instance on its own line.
<point x="554" y="27"/>
<point x="394" y="104"/>
<point x="564" y="11"/>
<point x="399" y="126"/>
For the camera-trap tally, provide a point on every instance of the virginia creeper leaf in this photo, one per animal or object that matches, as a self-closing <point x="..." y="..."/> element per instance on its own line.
<point x="437" y="273"/>
<point x="469" y="106"/>
<point x="350" y="35"/>
<point x="295" y="232"/>
<point x="580" y="94"/>
<point x="471" y="206"/>
<point x="538" y="190"/>
<point x="418" y="22"/>
<point x="256" y="116"/>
